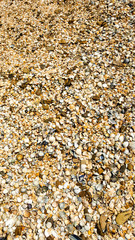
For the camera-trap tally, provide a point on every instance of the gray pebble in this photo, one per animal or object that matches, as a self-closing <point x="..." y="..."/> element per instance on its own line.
<point x="122" y="168"/>
<point x="79" y="199"/>
<point x="62" y="205"/>
<point x="70" y="228"/>
<point x="125" y="144"/>
<point x="99" y="187"/>
<point x="83" y="230"/>
<point x="42" y="209"/>
<point x="88" y="217"/>
<point x="77" y="189"/>
<point x="119" y="192"/>
<point x="132" y="145"/>
<point x="114" y="179"/>
<point x="23" y="190"/>
<point x="62" y="214"/>
<point x="126" y="60"/>
<point x="46" y="199"/>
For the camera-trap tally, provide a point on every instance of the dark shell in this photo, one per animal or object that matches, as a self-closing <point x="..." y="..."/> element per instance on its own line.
<point x="74" y="237"/>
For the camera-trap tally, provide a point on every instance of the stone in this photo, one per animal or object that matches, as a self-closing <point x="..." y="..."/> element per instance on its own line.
<point x="88" y="217"/>
<point x="123" y="217"/>
<point x="83" y="167"/>
<point x="77" y="190"/>
<point x="62" y="205"/>
<point x="49" y="225"/>
<point x="132" y="145"/>
<point x="62" y="214"/>
<point x="96" y="97"/>
<point x="62" y="41"/>
<point x="114" y="179"/>
<point x="29" y="206"/>
<point x="26" y="70"/>
<point x="126" y="60"/>
<point x="78" y="151"/>
<point x="48" y="120"/>
<point x="125" y="144"/>
<point x="67" y="82"/>
<point x="100" y="170"/>
<point x="52" y="139"/>
<point x="49" y="238"/>
<point x="3" y="238"/>
<point x="121" y="138"/>
<point x="19" y="157"/>
<point x="23" y="190"/>
<point x="9" y="237"/>
<point x="5" y="191"/>
<point x="26" y="213"/>
<point x="87" y="227"/>
<point x="70" y="228"/>
<point x="122" y="168"/>
<point x="50" y="48"/>
<point x="111" y="228"/>
<point x="18" y="230"/>
<point x="68" y="173"/>
<point x="99" y="187"/>
<point x="38" y="92"/>
<point x="130" y="166"/>
<point x="45" y="106"/>
<point x="42" y="66"/>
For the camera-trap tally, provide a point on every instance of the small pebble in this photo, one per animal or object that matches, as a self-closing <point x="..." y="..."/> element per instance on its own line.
<point x="125" y="144"/>
<point x="68" y="173"/>
<point x="130" y="166"/>
<point x="49" y="225"/>
<point x="88" y="217"/>
<point x="29" y="206"/>
<point x="52" y="139"/>
<point x="78" y="151"/>
<point x="83" y="167"/>
<point x="5" y="191"/>
<point x="126" y="60"/>
<point x="70" y="228"/>
<point x="99" y="187"/>
<point x="62" y="214"/>
<point x="132" y="145"/>
<point x="67" y="120"/>
<point x="77" y="190"/>
<point x="62" y="205"/>
<point x="19" y="157"/>
<point x="23" y="190"/>
<point x="26" y="214"/>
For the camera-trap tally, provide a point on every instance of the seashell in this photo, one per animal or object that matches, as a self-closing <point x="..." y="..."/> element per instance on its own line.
<point x="123" y="217"/>
<point x="74" y="237"/>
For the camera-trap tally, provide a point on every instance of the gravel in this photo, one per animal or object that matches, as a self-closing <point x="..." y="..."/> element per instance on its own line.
<point x="67" y="135"/>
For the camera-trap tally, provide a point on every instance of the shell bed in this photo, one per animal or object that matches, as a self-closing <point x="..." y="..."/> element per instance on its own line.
<point x="67" y="133"/>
